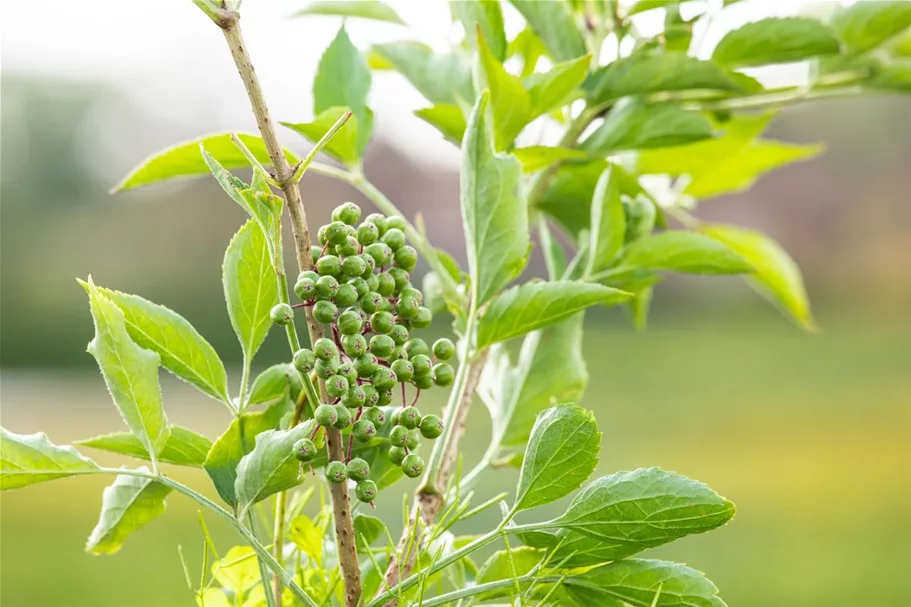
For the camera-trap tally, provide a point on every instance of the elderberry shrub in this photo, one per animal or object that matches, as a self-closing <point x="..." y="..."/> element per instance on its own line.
<point x="360" y="289"/>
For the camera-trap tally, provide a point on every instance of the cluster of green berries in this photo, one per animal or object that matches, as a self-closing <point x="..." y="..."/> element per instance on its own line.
<point x="361" y="289"/>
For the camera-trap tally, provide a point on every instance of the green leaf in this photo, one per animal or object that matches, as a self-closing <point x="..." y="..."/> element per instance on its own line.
<point x="683" y="251"/>
<point x="635" y="125"/>
<point x="537" y="157"/>
<point x="553" y="89"/>
<point x="184" y="160"/>
<point x="446" y="118"/>
<point x="553" y="22"/>
<point x="775" y="40"/>
<point x="343" y="80"/>
<point x="365" y="9"/>
<point x="275" y="384"/>
<point x="642" y="73"/>
<point x="506" y="565"/>
<point x="238" y="440"/>
<point x="509" y="101"/>
<point x="644" y="583"/>
<point x="251" y="288"/>
<point x="271" y="466"/>
<point x="237" y="571"/>
<point x="130" y="372"/>
<point x="493" y="210"/>
<point x="865" y="25"/>
<point x="344" y="144"/>
<point x="486" y="15"/>
<point x="183" y="351"/>
<point x="26" y="459"/>
<point x="646" y="5"/>
<point x="628" y="512"/>
<point x="441" y="78"/>
<point x="534" y="305"/>
<point x="307" y="536"/>
<point x="562" y="452"/>
<point x="127" y="505"/>
<point x="608" y="224"/>
<point x="893" y="77"/>
<point x="183" y="448"/>
<point x="367" y="530"/>
<point x="529" y="47"/>
<point x="774" y="272"/>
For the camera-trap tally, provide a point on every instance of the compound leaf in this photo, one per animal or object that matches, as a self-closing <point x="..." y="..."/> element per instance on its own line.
<point x="26" y="459"/>
<point x="126" y="505"/>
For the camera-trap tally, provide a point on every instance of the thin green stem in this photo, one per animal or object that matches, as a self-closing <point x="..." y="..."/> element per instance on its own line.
<point x="456" y="595"/>
<point x="244" y="383"/>
<point x="263" y="569"/>
<point x="304" y="164"/>
<point x="789" y="96"/>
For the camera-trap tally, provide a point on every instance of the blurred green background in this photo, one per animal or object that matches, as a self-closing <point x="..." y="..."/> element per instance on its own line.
<point x="809" y="435"/>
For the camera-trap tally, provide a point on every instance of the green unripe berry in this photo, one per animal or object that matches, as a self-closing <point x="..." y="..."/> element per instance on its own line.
<point x="410" y="417"/>
<point x="346" y="296"/>
<point x="337" y="232"/>
<point x="336" y="472"/>
<point x="349" y="322"/>
<point x="326" y="287"/>
<point x="393" y="237"/>
<point x="443" y="374"/>
<point x="326" y="368"/>
<point x="399" y="436"/>
<point x="412" y="292"/>
<point x="315" y="252"/>
<point x="360" y="285"/>
<point x="304" y="360"/>
<point x="375" y="416"/>
<point x="304" y="450"/>
<point x="399" y="334"/>
<point x="321" y="235"/>
<point x="385" y="284"/>
<point x="385" y="397"/>
<point x="325" y="349"/>
<point x="381" y="346"/>
<point x="369" y="267"/>
<point x="377" y="219"/>
<point x="354" y="345"/>
<point x="329" y="265"/>
<point x="384" y="306"/>
<point x="354" y="266"/>
<point x="406" y="258"/>
<point x="363" y="430"/>
<point x="396" y="221"/>
<point x="347" y="371"/>
<point x="305" y="289"/>
<point x="309" y="274"/>
<point x="401" y="279"/>
<point x="398" y="354"/>
<point x="413" y="465"/>
<point x="354" y="397"/>
<point x="347" y="212"/>
<point x="415" y="346"/>
<point x="407" y="307"/>
<point x="397" y="455"/>
<point x="344" y="417"/>
<point x="383" y="379"/>
<point x="371" y="281"/>
<point x="348" y="248"/>
<point x="325" y="312"/>
<point x="366" y="365"/>
<point x="422" y="365"/>
<point x="380" y="252"/>
<point x="358" y="469"/>
<point x="326" y="415"/>
<point x="422" y="318"/>
<point x="443" y="349"/>
<point x="336" y="386"/>
<point x="371" y="398"/>
<point x="402" y="369"/>
<point x="382" y="322"/>
<point x="371" y="302"/>
<point x="414" y="439"/>
<point x="281" y="314"/>
<point x="394" y="418"/>
<point x="365" y="491"/>
<point x="423" y="382"/>
<point x="368" y="233"/>
<point x="431" y="426"/>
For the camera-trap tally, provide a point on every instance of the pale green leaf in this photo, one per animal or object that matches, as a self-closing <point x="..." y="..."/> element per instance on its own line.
<point x="251" y="286"/>
<point x="528" y="46"/>
<point x="26" y="459"/>
<point x="553" y="22"/>
<point x="646" y="5"/>
<point x="126" y="505"/>
<point x="509" y="101"/>
<point x="307" y="536"/>
<point x="562" y="452"/>
<point x="608" y="224"/>
<point x="184" y="160"/>
<point x="537" y="157"/>
<point x="441" y="78"/>
<point x="644" y="583"/>
<point x="343" y="80"/>
<point x="367" y="530"/>
<point x="364" y="9"/>
<point x="130" y="373"/>
<point x="276" y="383"/>
<point x="865" y="25"/>
<point x="635" y="125"/>
<point x="486" y="15"/>
<point x="775" y="40"/>
<point x="683" y="251"/>
<point x="493" y="210"/>
<point x="534" y="305"/>
<point x="184" y="352"/>
<point x="896" y="76"/>
<point x="183" y="447"/>
<point x="644" y="73"/>
<point x="446" y="118"/>
<point x="507" y="565"/>
<point x="554" y="88"/>
<point x="344" y="144"/>
<point x="775" y="274"/>
<point x="238" y="569"/>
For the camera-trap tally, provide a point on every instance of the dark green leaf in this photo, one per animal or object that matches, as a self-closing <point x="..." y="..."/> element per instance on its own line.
<point x="865" y="25"/>
<point x="183" y="448"/>
<point x="608" y="224"/>
<point x="344" y="144"/>
<point x="553" y="22"/>
<point x="493" y="211"/>
<point x="509" y="101"/>
<point x="365" y="9"/>
<point x="562" y="452"/>
<point x="636" y="125"/>
<point x="775" y="40"/>
<point x="127" y="505"/>
<point x="446" y="118"/>
<point x="367" y="530"/>
<point x="26" y="459"/>
<point x="552" y="89"/>
<point x="537" y="157"/>
<point x="486" y="14"/>
<point x="441" y="78"/>
<point x="682" y="251"/>
<point x="534" y="305"/>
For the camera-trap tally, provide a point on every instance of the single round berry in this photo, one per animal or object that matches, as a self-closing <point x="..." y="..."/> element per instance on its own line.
<point x="305" y="289"/>
<point x="443" y="349"/>
<point x="365" y="491"/>
<point x="336" y="472"/>
<point x="407" y="307"/>
<point x="329" y="265"/>
<point x="358" y="469"/>
<point x="347" y="371"/>
<point x="347" y="212"/>
<point x="431" y="426"/>
<point x="304" y="450"/>
<point x="304" y="360"/>
<point x="326" y="368"/>
<point x="371" y="281"/>
<point x="281" y="314"/>
<point x="422" y="365"/>
<point x="383" y="379"/>
<point x="402" y="369"/>
<point x="326" y="415"/>
<point x="321" y="235"/>
<point x="406" y="258"/>
<point x="348" y="248"/>
<point x="382" y="322"/>
<point x="346" y="296"/>
<point x="414" y="439"/>
<point x="397" y="222"/>
<point x="344" y="417"/>
<point x="377" y="219"/>
<point x="394" y="418"/>
<point x="385" y="305"/>
<point x="399" y="334"/>
<point x="310" y="274"/>
<point x="366" y="365"/>
<point x="394" y="238"/>
<point x="413" y="465"/>
<point x="385" y="397"/>
<point x="424" y="382"/>
<point x="415" y="346"/>
<point x="375" y="416"/>
<point x="315" y="252"/>
<point x="397" y="455"/>
<point x="371" y="302"/>
<point x="349" y="322"/>
<point x="363" y="430"/>
<point x="399" y="436"/>
<point x="381" y="346"/>
<point x="354" y="397"/>
<point x="415" y="293"/>
<point x="326" y="287"/>
<point x="325" y="349"/>
<point x="336" y="232"/>
<point x="398" y="354"/>
<point x="380" y="252"/>
<point x="443" y="374"/>
<point x="354" y="345"/>
<point x="410" y="417"/>
<point x="354" y="266"/>
<point x="336" y="386"/>
<point x="325" y="312"/>
<point x="368" y="233"/>
<point x="422" y="318"/>
<point x="371" y="398"/>
<point x="370" y="266"/>
<point x="385" y="284"/>
<point x="360" y="285"/>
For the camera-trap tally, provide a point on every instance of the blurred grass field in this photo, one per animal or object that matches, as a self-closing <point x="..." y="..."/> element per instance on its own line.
<point x="809" y="435"/>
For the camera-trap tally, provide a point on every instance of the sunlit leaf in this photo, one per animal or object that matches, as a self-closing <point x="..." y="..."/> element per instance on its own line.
<point x="26" y="459"/>
<point x="552" y="89"/>
<point x="365" y="9"/>
<point x="553" y="22"/>
<point x="510" y="104"/>
<point x="537" y="157"/>
<point x="486" y="15"/>
<point x="307" y="536"/>
<point x="865" y="25"/>
<point x="127" y="505"/>
<point x="183" y="447"/>
<point x="446" y="118"/>
<point x="608" y="224"/>
<point x="344" y="144"/>
<point x="635" y="125"/>
<point x="440" y="78"/>
<point x="775" y="40"/>
<point x="684" y="251"/>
